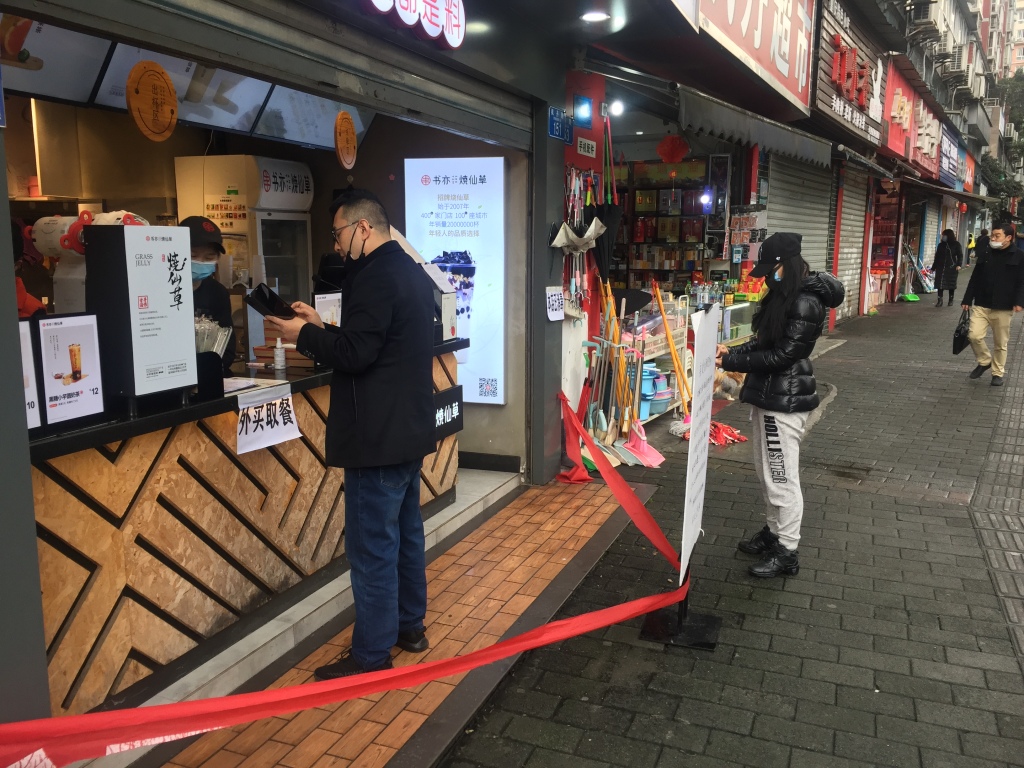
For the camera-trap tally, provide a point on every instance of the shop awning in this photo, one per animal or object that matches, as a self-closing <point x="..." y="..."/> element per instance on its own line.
<point x="706" y="114"/>
<point x="956" y="194"/>
<point x="859" y="159"/>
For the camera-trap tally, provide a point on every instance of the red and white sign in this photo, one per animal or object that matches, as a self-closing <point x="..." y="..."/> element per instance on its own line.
<point x="436" y="19"/>
<point x="772" y="37"/>
<point x="899" y="111"/>
<point x="925" y="150"/>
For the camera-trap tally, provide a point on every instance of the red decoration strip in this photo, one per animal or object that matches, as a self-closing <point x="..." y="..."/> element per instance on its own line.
<point x="63" y="740"/>
<point x="623" y="494"/>
<point x="60" y="741"/>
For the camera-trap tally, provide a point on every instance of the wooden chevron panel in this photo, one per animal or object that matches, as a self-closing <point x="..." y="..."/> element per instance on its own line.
<point x="149" y="546"/>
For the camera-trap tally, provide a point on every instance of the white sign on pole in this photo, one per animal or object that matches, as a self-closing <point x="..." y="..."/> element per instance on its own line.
<point x="266" y="418"/>
<point x="159" y="264"/>
<point x="70" y="349"/>
<point x="28" y="375"/>
<point x="455" y="217"/>
<point x="705" y="346"/>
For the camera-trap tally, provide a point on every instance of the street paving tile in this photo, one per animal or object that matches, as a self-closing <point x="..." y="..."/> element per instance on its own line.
<point x="898" y="644"/>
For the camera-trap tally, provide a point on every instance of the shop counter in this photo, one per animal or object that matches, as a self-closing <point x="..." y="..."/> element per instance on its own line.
<point x="153" y="534"/>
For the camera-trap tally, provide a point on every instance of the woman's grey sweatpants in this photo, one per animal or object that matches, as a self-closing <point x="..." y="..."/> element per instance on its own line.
<point x="776" y="437"/>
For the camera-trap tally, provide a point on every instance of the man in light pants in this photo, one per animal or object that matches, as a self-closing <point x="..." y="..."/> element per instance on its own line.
<point x="996" y="289"/>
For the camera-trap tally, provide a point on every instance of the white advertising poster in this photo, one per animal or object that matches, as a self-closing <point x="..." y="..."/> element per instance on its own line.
<point x="328" y="306"/>
<point x="455" y="217"/>
<point x="160" y="299"/>
<point x="705" y="345"/>
<point x="45" y="60"/>
<point x="266" y="418"/>
<point x="28" y="375"/>
<point x="72" y="383"/>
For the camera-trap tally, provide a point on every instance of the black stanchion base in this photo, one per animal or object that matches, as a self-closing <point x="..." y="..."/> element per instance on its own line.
<point x="697" y="630"/>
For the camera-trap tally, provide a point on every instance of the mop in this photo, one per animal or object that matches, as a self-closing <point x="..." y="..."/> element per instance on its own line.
<point x="680" y="370"/>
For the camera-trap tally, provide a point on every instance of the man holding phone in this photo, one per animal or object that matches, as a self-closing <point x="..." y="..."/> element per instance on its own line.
<point x="380" y="426"/>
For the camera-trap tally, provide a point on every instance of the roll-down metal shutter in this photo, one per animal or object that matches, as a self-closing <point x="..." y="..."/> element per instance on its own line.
<point x="930" y="240"/>
<point x="309" y="48"/>
<point x="798" y="201"/>
<point x="851" y="240"/>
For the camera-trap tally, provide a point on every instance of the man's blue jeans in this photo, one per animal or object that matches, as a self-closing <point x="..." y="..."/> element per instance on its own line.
<point x="384" y="544"/>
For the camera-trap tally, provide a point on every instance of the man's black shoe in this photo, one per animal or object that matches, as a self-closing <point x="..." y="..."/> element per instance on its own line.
<point x="413" y="642"/>
<point x="939" y="302"/>
<point x="997" y="381"/>
<point x="976" y="373"/>
<point x="759" y="543"/>
<point x="777" y="560"/>
<point x="346" y="666"/>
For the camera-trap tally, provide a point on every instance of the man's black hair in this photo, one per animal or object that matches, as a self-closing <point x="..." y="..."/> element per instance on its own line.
<point x="362" y="204"/>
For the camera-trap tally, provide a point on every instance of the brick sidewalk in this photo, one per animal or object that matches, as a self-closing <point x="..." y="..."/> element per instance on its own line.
<point x="894" y="644"/>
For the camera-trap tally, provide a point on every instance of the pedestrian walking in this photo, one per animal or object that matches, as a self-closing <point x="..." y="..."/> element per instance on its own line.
<point x="949" y="259"/>
<point x="781" y="390"/>
<point x="379" y="428"/>
<point x="996" y="289"/>
<point x="970" y="249"/>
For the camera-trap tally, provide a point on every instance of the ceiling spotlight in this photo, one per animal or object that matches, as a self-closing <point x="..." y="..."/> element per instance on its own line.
<point x="592" y="17"/>
<point x="639" y="133"/>
<point x="478" y="28"/>
<point x="616" y="108"/>
<point x="705" y="198"/>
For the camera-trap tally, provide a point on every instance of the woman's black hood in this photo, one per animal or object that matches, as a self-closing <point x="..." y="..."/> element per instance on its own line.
<point x="826" y="287"/>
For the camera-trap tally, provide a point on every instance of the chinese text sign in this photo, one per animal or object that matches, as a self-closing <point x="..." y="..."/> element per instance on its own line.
<point x="265" y="418"/>
<point x="455" y="217"/>
<point x="772" y="37"/>
<point x="70" y="351"/>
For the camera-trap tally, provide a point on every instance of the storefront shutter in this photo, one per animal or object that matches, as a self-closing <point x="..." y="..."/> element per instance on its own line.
<point x="932" y="223"/>
<point x="798" y="201"/>
<point x="851" y="240"/>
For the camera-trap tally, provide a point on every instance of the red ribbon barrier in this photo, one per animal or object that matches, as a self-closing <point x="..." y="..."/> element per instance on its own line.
<point x="620" y="489"/>
<point x="60" y="741"/>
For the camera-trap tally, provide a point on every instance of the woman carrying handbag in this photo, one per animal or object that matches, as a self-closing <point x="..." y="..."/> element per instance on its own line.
<point x="949" y="258"/>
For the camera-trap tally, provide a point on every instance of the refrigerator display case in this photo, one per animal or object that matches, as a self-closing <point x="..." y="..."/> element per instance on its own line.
<point x="262" y="208"/>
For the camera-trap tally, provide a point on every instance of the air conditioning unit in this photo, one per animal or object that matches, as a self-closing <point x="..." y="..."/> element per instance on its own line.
<point x="923" y="11"/>
<point x="1010" y="132"/>
<point x="958" y="58"/>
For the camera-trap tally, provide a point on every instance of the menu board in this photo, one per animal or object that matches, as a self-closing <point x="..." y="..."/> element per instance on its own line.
<point x="455" y="217"/>
<point x="306" y="119"/>
<point x="206" y="95"/>
<point x="328" y="306"/>
<point x="28" y="375"/>
<point x="43" y="60"/>
<point x="70" y="350"/>
<point x="160" y="302"/>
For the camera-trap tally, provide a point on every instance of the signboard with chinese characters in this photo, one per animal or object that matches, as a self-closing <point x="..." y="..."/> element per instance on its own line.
<point x="898" y="116"/>
<point x="924" y="150"/>
<point x="28" y="375"/>
<point x="447" y="412"/>
<point x="771" y="37"/>
<point x="455" y="217"/>
<point x="72" y="384"/>
<point x="160" y="308"/>
<point x="851" y="75"/>
<point x="283" y="185"/>
<point x="440" y="20"/>
<point x="948" y="158"/>
<point x="969" y="171"/>
<point x="265" y="418"/>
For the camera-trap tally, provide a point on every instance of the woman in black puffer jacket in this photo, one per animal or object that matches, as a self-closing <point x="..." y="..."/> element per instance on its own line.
<point x="781" y="391"/>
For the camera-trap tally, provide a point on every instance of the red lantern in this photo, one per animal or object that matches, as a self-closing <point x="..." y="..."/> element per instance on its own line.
<point x="673" y="148"/>
<point x="963" y="207"/>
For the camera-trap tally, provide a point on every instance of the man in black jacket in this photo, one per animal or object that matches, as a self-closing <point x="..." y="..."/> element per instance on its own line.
<point x="997" y="290"/>
<point x="380" y="426"/>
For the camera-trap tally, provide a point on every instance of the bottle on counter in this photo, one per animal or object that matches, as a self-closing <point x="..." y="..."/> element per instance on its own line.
<point x="279" y="360"/>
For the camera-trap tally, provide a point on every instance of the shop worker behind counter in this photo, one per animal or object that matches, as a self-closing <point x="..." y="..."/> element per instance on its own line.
<point x="380" y="426"/>
<point x="996" y="289"/>
<point x="211" y="299"/>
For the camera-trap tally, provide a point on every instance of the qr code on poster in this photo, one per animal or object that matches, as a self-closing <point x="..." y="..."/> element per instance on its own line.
<point x="488" y="388"/>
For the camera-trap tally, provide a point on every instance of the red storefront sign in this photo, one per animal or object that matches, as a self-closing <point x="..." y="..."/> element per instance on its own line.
<point x="899" y="112"/>
<point x="969" y="175"/>
<point x="772" y="37"/>
<point x="440" y="20"/>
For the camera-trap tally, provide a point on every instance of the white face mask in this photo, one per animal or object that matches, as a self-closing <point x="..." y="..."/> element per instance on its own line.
<point x="999" y="246"/>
